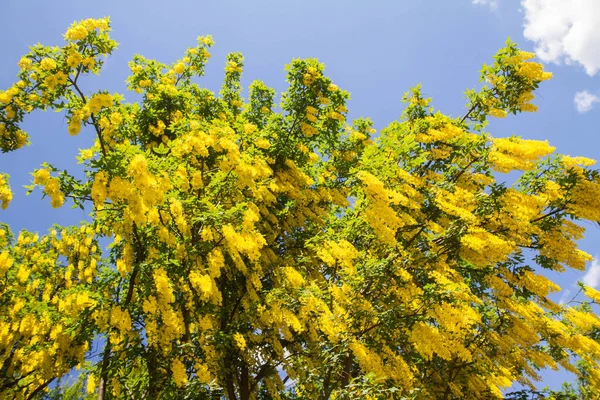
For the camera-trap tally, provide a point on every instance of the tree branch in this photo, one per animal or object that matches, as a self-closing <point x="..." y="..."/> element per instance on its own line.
<point x="82" y="96"/>
<point x="39" y="389"/>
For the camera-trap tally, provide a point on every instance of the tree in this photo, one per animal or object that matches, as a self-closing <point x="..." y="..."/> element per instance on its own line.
<point x="252" y="250"/>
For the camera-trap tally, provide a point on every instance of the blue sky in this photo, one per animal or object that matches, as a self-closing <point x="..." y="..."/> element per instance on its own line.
<point x="376" y="50"/>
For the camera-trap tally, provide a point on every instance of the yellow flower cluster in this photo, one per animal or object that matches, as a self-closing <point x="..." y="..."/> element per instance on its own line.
<point x="498" y="113"/>
<point x="248" y="243"/>
<point x="240" y="341"/>
<point x="204" y="285"/>
<point x="446" y="133"/>
<point x="380" y="214"/>
<point x="524" y="102"/>
<point x="51" y="82"/>
<point x="336" y="116"/>
<point x="91" y="385"/>
<point x="5" y="262"/>
<point x="98" y="101"/>
<point x="72" y="305"/>
<point x="311" y="114"/>
<point x="51" y="186"/>
<point x="518" y="209"/>
<point x="293" y="277"/>
<point x="533" y="71"/>
<point x="179" y="68"/>
<point x="571" y="162"/>
<point x="560" y="245"/>
<point x="510" y="154"/>
<point x="5" y="192"/>
<point x="429" y="341"/>
<point x="308" y="129"/>
<point x="459" y="203"/>
<point x="369" y="361"/>
<point x="340" y="253"/>
<point x="179" y="372"/>
<point x="48" y="64"/>
<point x="74" y="59"/>
<point x="163" y="286"/>
<point x="7" y="95"/>
<point x="120" y="319"/>
<point x="232" y="67"/>
<point x="99" y="189"/>
<point x="483" y="248"/>
<point x="262" y="143"/>
<point x="79" y="31"/>
<point x="592" y="294"/>
<point x="310" y="76"/>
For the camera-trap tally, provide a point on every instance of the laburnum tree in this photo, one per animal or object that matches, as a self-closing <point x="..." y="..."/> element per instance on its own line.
<point x="249" y="249"/>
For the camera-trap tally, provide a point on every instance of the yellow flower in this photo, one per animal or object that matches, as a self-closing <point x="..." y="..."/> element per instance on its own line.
<point x="57" y="200"/>
<point x="61" y="78"/>
<point x="25" y="63"/>
<point x="196" y="180"/>
<point x="120" y="318"/>
<point x="10" y="112"/>
<point x="239" y="341"/>
<point x="51" y="81"/>
<point x="77" y="32"/>
<point x="529" y="108"/>
<point x="179" y="68"/>
<point x="335" y="115"/>
<point x="294" y="278"/>
<point x="179" y="373"/>
<point x="323" y="100"/>
<point x="262" y="143"/>
<point x="249" y="128"/>
<point x="5" y="193"/>
<point x="308" y="79"/>
<point x="89" y="62"/>
<point x="312" y="110"/>
<point x="74" y="59"/>
<point x="91" y="384"/>
<point x="526" y="97"/>
<point x="498" y="113"/>
<point x="5" y="98"/>
<point x="5" y="261"/>
<point x="41" y="176"/>
<point x="592" y="293"/>
<point x="203" y="284"/>
<point x="74" y="127"/>
<point x="574" y="161"/>
<point x="233" y="67"/>
<point x="145" y="83"/>
<point x="86" y="154"/>
<point x="525" y="55"/>
<point x="48" y="64"/>
<point x="308" y="130"/>
<point x="311" y="117"/>
<point x="137" y="166"/>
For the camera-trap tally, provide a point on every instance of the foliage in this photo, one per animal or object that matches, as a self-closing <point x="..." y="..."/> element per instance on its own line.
<point x="257" y="250"/>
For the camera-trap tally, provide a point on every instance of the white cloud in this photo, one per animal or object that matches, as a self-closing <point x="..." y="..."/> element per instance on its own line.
<point x="564" y="30"/>
<point x="592" y="277"/>
<point x="584" y="101"/>
<point x="564" y="296"/>
<point x="493" y="4"/>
